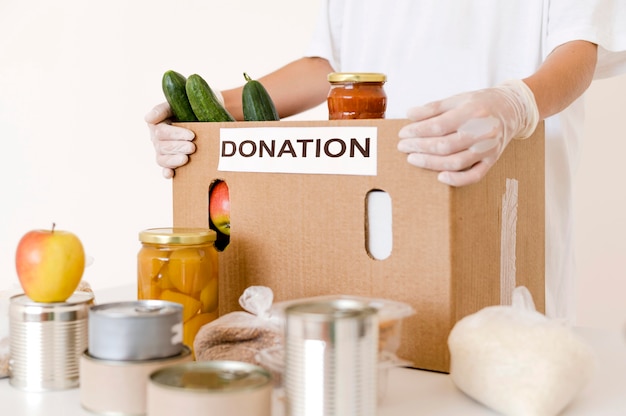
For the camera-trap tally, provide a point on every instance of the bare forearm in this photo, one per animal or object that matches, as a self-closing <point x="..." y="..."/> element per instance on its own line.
<point x="294" y="88"/>
<point x="563" y="77"/>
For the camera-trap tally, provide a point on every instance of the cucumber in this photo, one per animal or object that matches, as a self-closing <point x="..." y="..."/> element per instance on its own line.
<point x="257" y="103"/>
<point x="173" y="85"/>
<point x="203" y="101"/>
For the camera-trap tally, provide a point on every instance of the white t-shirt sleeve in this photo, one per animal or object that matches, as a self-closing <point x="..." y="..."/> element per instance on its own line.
<point x="321" y="43"/>
<point x="599" y="21"/>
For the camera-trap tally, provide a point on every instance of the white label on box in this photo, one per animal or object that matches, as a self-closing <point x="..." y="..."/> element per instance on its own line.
<point x="312" y="150"/>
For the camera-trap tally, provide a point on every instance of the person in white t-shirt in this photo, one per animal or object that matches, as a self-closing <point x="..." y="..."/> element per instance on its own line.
<point x="503" y="65"/>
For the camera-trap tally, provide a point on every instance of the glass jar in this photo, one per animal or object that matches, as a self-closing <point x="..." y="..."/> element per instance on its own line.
<point x="356" y="95"/>
<point x="180" y="265"/>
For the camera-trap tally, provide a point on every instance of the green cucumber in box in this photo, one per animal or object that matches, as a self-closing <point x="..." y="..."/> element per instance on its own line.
<point x="256" y="101"/>
<point x="205" y="104"/>
<point x="173" y="85"/>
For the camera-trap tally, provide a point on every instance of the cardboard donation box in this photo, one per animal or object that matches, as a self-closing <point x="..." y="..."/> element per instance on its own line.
<point x="302" y="225"/>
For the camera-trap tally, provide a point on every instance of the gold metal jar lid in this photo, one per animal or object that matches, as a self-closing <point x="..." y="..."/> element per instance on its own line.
<point x="177" y="236"/>
<point x="356" y="77"/>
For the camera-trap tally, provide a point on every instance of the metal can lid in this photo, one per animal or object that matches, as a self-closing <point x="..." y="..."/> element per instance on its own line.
<point x="212" y="376"/>
<point x="141" y="309"/>
<point x="27" y="310"/>
<point x="356" y="77"/>
<point x="177" y="235"/>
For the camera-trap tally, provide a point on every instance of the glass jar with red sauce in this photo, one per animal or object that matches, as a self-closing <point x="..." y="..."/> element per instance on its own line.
<point x="356" y="95"/>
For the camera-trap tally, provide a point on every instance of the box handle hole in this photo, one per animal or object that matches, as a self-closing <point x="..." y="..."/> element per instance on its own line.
<point x="378" y="224"/>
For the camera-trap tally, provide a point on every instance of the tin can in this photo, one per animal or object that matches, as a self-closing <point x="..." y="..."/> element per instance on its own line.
<point x="180" y="265"/>
<point x="114" y="387"/>
<point x="136" y="330"/>
<point x="356" y="95"/>
<point x="232" y="388"/>
<point x="331" y="356"/>
<point x="46" y="342"/>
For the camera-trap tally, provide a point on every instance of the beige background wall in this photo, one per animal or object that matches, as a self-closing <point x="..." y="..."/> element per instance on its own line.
<point x="600" y="203"/>
<point x="76" y="78"/>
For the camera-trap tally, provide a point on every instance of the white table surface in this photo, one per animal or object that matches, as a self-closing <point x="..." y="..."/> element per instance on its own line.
<point x="409" y="391"/>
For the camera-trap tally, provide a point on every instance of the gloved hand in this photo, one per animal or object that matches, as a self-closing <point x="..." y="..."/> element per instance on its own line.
<point x="464" y="135"/>
<point x="172" y="144"/>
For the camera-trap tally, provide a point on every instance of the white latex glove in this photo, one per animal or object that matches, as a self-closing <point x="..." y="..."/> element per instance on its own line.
<point x="172" y="144"/>
<point x="464" y="135"/>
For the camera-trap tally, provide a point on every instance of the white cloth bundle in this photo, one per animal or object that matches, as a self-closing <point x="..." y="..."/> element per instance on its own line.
<point x="516" y="361"/>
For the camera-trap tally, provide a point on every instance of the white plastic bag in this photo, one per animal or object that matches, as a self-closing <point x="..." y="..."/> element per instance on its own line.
<point x="516" y="361"/>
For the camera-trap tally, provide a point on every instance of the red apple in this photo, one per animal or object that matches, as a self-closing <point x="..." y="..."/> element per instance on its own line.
<point x="50" y="264"/>
<point x="219" y="207"/>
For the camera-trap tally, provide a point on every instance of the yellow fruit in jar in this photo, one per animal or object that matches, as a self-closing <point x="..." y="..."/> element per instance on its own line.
<point x="147" y="290"/>
<point x="212" y="254"/>
<point x="209" y="296"/>
<point x="151" y="261"/>
<point x="164" y="282"/>
<point x="151" y="264"/>
<point x="191" y="306"/>
<point x="189" y="269"/>
<point x="191" y="328"/>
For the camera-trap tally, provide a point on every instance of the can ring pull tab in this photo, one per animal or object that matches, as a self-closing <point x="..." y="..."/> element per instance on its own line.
<point x="148" y="309"/>
<point x="234" y="375"/>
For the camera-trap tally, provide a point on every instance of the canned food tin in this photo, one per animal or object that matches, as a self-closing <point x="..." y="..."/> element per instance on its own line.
<point x="331" y="357"/>
<point x="46" y="342"/>
<point x="232" y="388"/>
<point x="113" y="387"/>
<point x="136" y="330"/>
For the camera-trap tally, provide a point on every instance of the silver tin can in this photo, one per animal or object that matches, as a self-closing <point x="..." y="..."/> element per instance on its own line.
<point x="118" y="388"/>
<point x="136" y="330"/>
<point x="199" y="388"/>
<point x="46" y="342"/>
<point x="331" y="356"/>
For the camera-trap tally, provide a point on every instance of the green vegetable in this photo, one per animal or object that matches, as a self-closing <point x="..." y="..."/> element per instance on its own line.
<point x="173" y="85"/>
<point x="203" y="101"/>
<point x="257" y="103"/>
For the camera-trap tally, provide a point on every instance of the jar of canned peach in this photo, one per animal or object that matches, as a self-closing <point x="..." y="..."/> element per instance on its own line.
<point x="356" y="95"/>
<point x="180" y="265"/>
